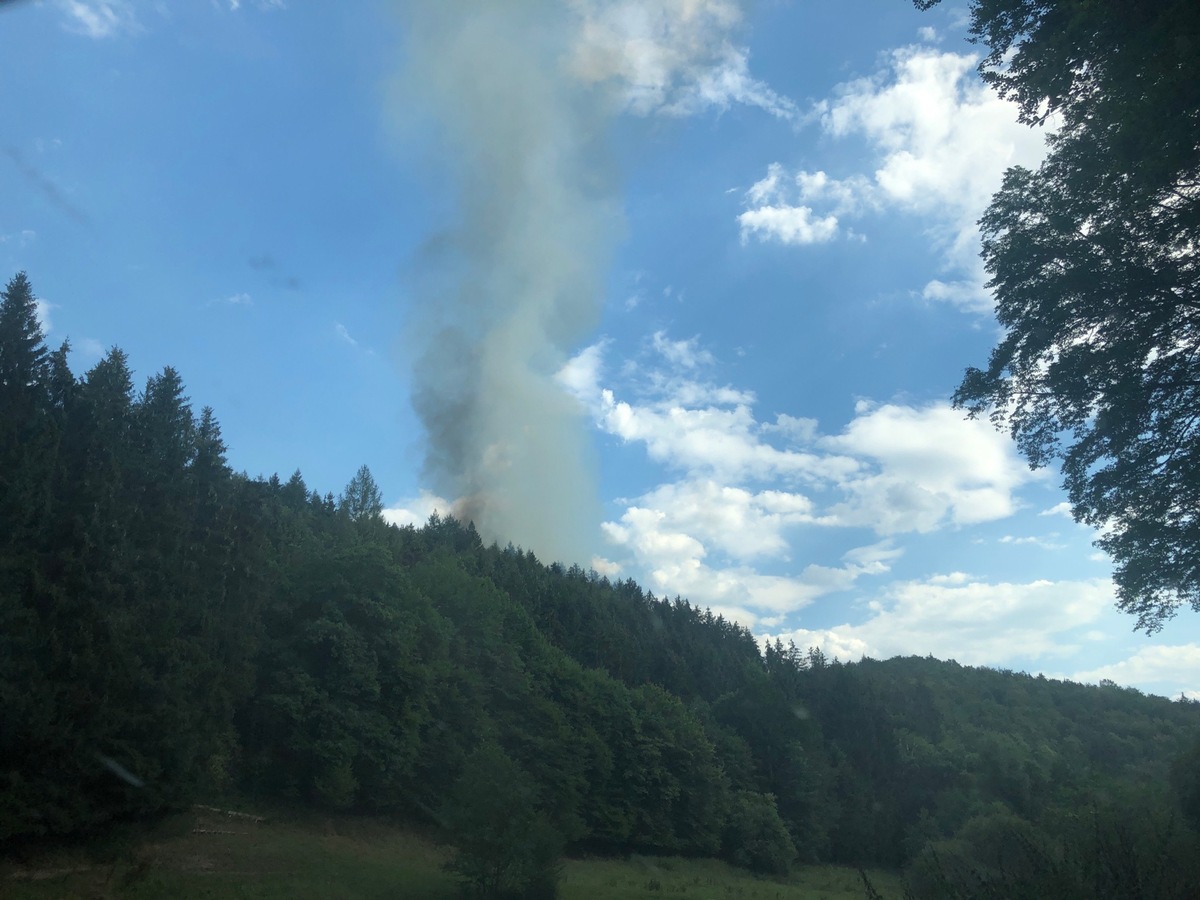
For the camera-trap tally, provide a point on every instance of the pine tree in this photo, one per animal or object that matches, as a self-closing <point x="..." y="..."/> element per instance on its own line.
<point x="26" y="440"/>
<point x="361" y="500"/>
<point x="22" y="358"/>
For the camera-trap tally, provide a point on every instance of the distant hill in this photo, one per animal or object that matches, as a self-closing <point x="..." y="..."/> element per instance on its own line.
<point x="170" y="630"/>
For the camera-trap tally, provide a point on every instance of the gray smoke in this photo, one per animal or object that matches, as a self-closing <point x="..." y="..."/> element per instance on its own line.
<point x="514" y="284"/>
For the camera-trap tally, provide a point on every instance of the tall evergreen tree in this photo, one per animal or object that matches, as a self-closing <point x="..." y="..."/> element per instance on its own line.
<point x="23" y="433"/>
<point x="362" y="500"/>
<point x="22" y="357"/>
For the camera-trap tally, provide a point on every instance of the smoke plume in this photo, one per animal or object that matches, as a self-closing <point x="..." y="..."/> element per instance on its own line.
<point x="522" y="93"/>
<point x="514" y="284"/>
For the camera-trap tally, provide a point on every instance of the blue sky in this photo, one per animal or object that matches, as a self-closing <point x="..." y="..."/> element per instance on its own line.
<point x="677" y="289"/>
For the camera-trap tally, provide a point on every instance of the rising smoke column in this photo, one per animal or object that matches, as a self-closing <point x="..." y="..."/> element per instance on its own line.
<point x="514" y="284"/>
<point x="523" y="93"/>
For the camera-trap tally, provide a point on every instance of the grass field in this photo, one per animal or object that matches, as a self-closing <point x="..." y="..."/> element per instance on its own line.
<point x="210" y="856"/>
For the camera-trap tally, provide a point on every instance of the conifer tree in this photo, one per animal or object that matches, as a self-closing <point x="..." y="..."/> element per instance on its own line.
<point x="362" y="500"/>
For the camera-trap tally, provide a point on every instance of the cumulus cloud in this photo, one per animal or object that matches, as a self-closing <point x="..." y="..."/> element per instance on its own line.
<point x="416" y="510"/>
<point x="787" y="225"/>
<point x="956" y="616"/>
<point x="42" y="311"/>
<point x="781" y="206"/>
<point x="932" y="466"/>
<point x="940" y="140"/>
<point x="722" y="530"/>
<point x="670" y="57"/>
<point x="683" y="550"/>
<point x="1173" y="669"/>
<point x="740" y="523"/>
<point x="893" y="468"/>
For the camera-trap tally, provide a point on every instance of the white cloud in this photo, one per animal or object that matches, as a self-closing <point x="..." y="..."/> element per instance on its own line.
<point x="417" y="510"/>
<point x="976" y="622"/>
<point x="745" y="487"/>
<point x="670" y="57"/>
<point x="683" y="354"/>
<point x="606" y="567"/>
<point x="240" y="299"/>
<point x="740" y="523"/>
<point x="1058" y="509"/>
<point x="796" y="430"/>
<point x="893" y="468"/>
<point x="1046" y="543"/>
<point x="968" y="294"/>
<point x="1175" y="669"/>
<point x="42" y="311"/>
<point x="581" y="373"/>
<point x="344" y="333"/>
<point x="944" y="138"/>
<point x="941" y="141"/>
<point x="715" y="435"/>
<point x="99" y="18"/>
<point x="932" y="466"/>
<point x="795" y="225"/>
<point x="666" y="536"/>
<point x="781" y="206"/>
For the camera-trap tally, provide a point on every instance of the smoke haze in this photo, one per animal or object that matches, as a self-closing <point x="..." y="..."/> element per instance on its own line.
<point x="506" y="292"/>
<point x="523" y="93"/>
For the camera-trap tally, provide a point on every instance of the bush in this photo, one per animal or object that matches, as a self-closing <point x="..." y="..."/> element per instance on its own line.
<point x="507" y="848"/>
<point x="755" y="836"/>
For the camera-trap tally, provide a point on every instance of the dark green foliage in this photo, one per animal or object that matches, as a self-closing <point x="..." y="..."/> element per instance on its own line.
<point x="755" y="836"/>
<point x="23" y="358"/>
<point x="1093" y="260"/>
<point x="1185" y="783"/>
<point x="1110" y="852"/>
<point x="508" y="848"/>
<point x="362" y="499"/>
<point x="169" y="629"/>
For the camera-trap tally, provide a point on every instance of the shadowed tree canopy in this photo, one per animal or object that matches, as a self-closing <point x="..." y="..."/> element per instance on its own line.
<point x="362" y="498"/>
<point x="22" y="353"/>
<point x="1093" y="261"/>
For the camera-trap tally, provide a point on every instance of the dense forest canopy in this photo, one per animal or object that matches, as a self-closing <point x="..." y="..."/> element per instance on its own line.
<point x="170" y="630"/>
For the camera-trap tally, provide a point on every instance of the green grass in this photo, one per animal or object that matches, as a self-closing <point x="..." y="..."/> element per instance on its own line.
<point x="705" y="879"/>
<point x="308" y="857"/>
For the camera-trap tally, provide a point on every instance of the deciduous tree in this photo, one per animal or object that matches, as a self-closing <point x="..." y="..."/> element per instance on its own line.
<point x="1093" y="261"/>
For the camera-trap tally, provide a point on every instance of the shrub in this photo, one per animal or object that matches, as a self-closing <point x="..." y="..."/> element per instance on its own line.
<point x="507" y="848"/>
<point x="755" y="836"/>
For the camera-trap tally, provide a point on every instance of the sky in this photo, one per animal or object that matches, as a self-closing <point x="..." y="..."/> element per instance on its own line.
<point x="676" y="290"/>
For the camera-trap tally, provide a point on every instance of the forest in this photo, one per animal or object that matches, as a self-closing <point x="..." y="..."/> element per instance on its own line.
<point x="172" y="631"/>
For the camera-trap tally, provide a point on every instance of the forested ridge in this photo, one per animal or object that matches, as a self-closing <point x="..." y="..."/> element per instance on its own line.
<point x="171" y="630"/>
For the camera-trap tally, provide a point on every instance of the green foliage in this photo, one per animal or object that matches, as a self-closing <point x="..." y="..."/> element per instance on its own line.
<point x="1134" y="849"/>
<point x="508" y="849"/>
<point x="169" y="629"/>
<point x="362" y="499"/>
<point x="1185" y="784"/>
<point x="755" y="837"/>
<point x="1093" y="260"/>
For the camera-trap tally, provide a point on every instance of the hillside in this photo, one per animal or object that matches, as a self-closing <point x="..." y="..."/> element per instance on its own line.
<point x="171" y="631"/>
